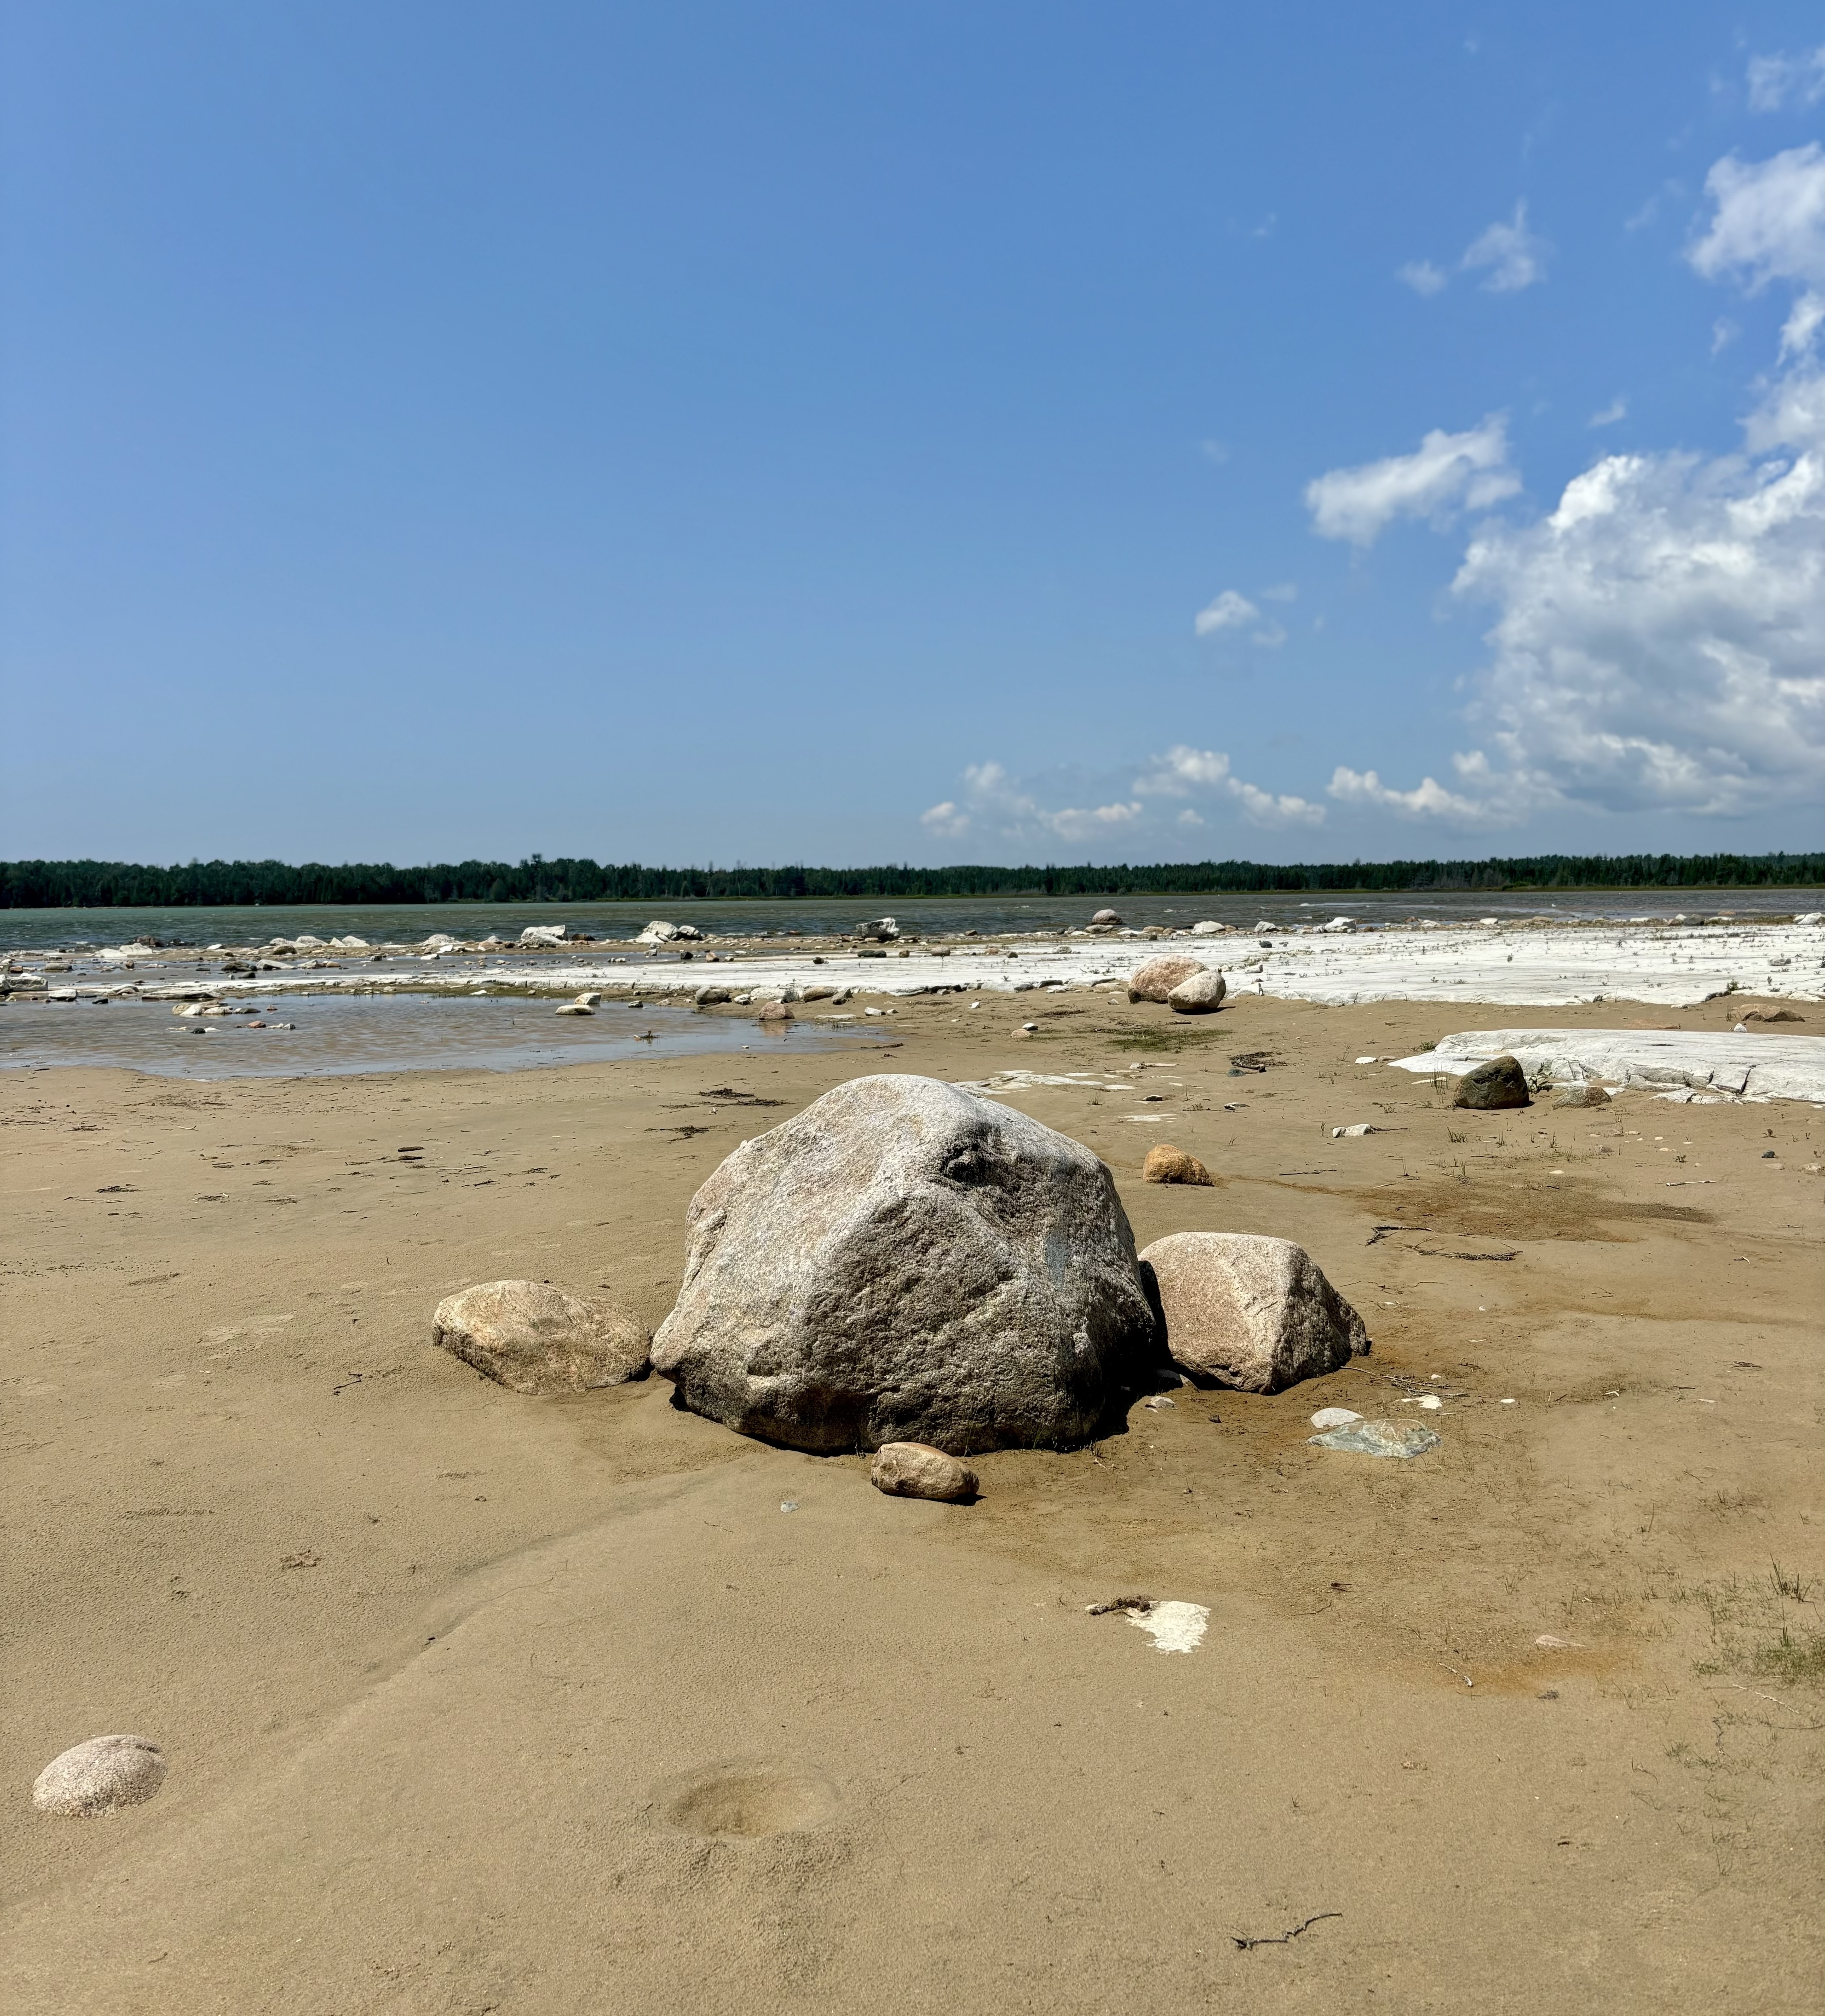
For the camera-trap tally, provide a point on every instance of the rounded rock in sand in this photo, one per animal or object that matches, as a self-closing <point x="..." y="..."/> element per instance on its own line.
<point x="101" y="1775"/>
<point x="1155" y="978"/>
<point x="532" y="1337"/>
<point x="916" y="1469"/>
<point x="1166" y="1164"/>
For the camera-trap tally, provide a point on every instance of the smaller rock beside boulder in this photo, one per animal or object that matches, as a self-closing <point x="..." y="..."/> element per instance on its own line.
<point x="1249" y="1312"/>
<point x="1166" y="1164"/>
<point x="1202" y="995"/>
<point x="100" y="1776"/>
<point x="916" y="1469"/>
<point x="1583" y="1095"/>
<point x="1501" y="1082"/>
<point x="532" y="1337"/>
<point x="1155" y="978"/>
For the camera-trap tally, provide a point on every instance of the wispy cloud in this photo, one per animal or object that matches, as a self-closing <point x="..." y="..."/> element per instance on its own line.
<point x="1607" y="416"/>
<point x="1423" y="277"/>
<point x="1513" y="256"/>
<point x="1234" y="611"/>
<point x="1778" y="80"/>
<point x="1444" y="474"/>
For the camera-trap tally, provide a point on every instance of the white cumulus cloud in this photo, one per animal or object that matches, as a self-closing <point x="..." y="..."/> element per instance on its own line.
<point x="1428" y="799"/>
<point x="945" y="818"/>
<point x="1446" y="472"/>
<point x="1184" y="772"/>
<point x="1513" y="256"/>
<point x="1769" y="222"/>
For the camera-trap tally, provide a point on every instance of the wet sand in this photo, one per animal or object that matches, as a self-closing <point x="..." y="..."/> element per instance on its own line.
<point x="474" y="1702"/>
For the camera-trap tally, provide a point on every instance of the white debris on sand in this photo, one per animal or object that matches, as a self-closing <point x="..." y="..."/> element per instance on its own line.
<point x="1707" y="1064"/>
<point x="1173" y="1627"/>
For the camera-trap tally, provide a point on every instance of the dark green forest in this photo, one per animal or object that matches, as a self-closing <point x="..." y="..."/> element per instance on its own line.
<point x="107" y="885"/>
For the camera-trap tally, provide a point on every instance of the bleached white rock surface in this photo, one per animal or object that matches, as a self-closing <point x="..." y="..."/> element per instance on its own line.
<point x="1720" y="1064"/>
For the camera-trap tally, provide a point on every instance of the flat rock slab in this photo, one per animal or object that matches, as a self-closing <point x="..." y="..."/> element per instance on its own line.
<point x="1395" y="1438"/>
<point x="1744" y="1066"/>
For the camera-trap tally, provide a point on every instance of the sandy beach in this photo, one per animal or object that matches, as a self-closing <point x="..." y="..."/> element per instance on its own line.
<point x="478" y="1702"/>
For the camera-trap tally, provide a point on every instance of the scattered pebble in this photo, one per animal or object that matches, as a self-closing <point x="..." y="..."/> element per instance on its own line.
<point x="1548" y="1643"/>
<point x="788" y="1505"/>
<point x="1333" y="1418"/>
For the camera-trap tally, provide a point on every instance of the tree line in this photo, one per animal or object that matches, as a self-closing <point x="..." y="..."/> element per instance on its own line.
<point x="81" y="885"/>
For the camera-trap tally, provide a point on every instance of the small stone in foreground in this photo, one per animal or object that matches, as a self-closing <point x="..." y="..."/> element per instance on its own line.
<point x="1202" y="994"/>
<point x="100" y="1776"/>
<point x="532" y="1337"/>
<point x="774" y="1011"/>
<point x="1166" y="1164"/>
<point x="916" y="1469"/>
<point x="1500" y="1082"/>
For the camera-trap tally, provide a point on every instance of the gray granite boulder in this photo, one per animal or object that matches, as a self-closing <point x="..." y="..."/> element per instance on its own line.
<point x="905" y="1262"/>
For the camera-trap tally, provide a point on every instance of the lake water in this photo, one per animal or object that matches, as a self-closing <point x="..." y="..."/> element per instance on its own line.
<point x="336" y="1038"/>
<point x="408" y="924"/>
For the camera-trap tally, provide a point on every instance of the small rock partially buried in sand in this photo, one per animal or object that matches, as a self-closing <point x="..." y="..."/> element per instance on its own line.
<point x="774" y="1011"/>
<point x="916" y="1469"/>
<point x="1249" y="1312"/>
<point x="532" y="1337"/>
<point x="1583" y="1095"/>
<point x="1201" y="994"/>
<point x="100" y="1776"/>
<point x="1500" y="1082"/>
<point x="1166" y="1164"/>
<point x="1155" y="979"/>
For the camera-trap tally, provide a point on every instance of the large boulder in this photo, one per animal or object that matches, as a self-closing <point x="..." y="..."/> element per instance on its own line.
<point x="1500" y="1082"/>
<point x="1249" y="1312"/>
<point x="534" y="1338"/>
<point x="905" y="1262"/>
<point x="1156" y="978"/>
<point x="1202" y="994"/>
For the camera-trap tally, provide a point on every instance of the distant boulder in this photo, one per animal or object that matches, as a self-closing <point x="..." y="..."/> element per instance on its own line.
<point x="1499" y="1083"/>
<point x="1202" y="994"/>
<point x="1156" y="978"/>
<point x="1106" y="917"/>
<point x="878" y="929"/>
<point x="544" y="934"/>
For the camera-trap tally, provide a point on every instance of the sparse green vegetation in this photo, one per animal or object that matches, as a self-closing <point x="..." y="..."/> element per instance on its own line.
<point x="1754" y="1629"/>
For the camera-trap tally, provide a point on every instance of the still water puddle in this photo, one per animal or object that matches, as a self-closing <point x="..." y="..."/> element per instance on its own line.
<point x="336" y="1038"/>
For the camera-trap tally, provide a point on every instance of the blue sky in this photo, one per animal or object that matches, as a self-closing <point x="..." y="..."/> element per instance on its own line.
<point x="925" y="432"/>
